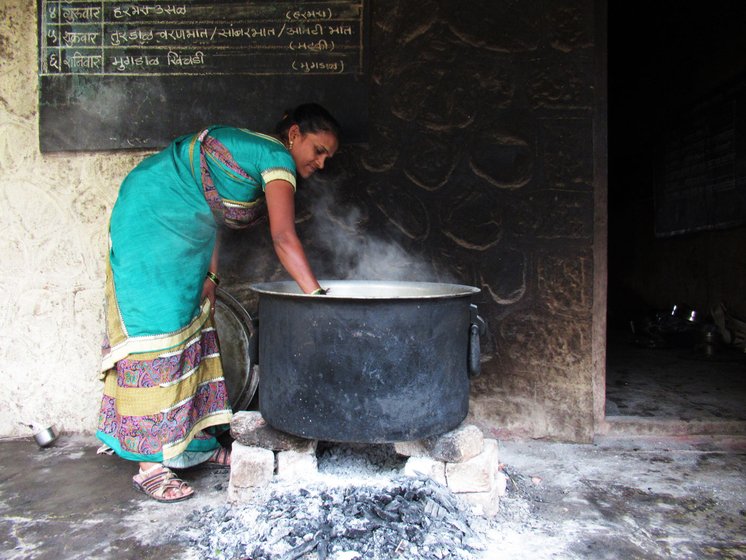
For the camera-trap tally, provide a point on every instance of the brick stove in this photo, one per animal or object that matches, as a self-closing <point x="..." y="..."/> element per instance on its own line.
<point x="462" y="460"/>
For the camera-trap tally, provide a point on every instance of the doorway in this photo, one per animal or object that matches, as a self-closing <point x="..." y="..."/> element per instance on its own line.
<point x="662" y="376"/>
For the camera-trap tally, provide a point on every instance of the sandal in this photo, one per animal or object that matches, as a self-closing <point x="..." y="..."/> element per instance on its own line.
<point x="157" y="481"/>
<point x="221" y="459"/>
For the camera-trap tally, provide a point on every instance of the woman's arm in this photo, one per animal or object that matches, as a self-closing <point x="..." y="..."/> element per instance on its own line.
<point x="281" y="209"/>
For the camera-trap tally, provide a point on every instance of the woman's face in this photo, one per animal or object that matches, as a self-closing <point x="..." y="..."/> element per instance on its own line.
<point x="311" y="150"/>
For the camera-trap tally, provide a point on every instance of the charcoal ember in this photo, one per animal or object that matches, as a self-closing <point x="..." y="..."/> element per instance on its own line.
<point x="385" y="514"/>
<point x="355" y="532"/>
<point x="305" y="547"/>
<point x="414" y="533"/>
<point x="433" y="510"/>
<point x="412" y="514"/>
<point x="322" y="548"/>
<point x="396" y="503"/>
<point x="396" y="517"/>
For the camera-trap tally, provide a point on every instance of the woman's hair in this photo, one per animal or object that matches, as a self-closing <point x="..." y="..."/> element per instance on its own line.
<point x="310" y="117"/>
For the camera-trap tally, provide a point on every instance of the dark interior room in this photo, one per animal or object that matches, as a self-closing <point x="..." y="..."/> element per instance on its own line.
<point x="677" y="215"/>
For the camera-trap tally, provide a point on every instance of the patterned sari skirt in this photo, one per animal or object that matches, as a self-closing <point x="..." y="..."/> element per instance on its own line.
<point x="165" y="399"/>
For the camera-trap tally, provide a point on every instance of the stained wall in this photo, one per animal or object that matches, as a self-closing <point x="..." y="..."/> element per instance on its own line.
<point x="483" y="156"/>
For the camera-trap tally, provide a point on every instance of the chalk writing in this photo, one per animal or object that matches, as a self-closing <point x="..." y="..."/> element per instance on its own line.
<point x="178" y="59"/>
<point x="184" y="35"/>
<point x="308" y="66"/>
<point x="318" y="46"/>
<point x="54" y="62"/>
<point x="135" y="10"/>
<point x="308" y="14"/>
<point x="74" y="15"/>
<point x="71" y="38"/>
<point x="126" y="63"/>
<point x="87" y="61"/>
<point x="203" y="37"/>
<point x="137" y="36"/>
<point x="247" y="32"/>
<point x="297" y="30"/>
<point x="340" y="30"/>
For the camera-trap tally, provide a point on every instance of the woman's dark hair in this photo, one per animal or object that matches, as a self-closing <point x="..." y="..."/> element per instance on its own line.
<point x="310" y="117"/>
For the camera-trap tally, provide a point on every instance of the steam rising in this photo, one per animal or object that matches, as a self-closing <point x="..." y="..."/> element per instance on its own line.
<point x="356" y="253"/>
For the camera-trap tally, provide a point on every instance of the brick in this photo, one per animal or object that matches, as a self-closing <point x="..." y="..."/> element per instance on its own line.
<point x="250" y="429"/>
<point x="411" y="448"/>
<point x="458" y="445"/>
<point x="476" y="474"/>
<point x="482" y="503"/>
<point x="296" y="465"/>
<point x="250" y="467"/>
<point x="501" y="483"/>
<point x="425" y="466"/>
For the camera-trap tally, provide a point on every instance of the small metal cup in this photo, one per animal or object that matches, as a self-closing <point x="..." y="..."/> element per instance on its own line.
<point x="46" y="436"/>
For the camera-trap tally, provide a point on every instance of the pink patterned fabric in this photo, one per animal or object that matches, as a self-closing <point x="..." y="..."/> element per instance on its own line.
<point x="146" y="435"/>
<point x="151" y="373"/>
<point x="233" y="217"/>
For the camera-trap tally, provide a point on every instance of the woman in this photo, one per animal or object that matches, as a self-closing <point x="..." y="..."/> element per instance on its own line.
<point x="164" y="392"/>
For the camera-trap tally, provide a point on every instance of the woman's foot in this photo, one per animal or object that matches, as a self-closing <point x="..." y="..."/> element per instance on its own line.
<point x="161" y="484"/>
<point x="221" y="459"/>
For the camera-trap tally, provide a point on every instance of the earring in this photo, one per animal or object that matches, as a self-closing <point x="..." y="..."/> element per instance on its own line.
<point x="290" y="144"/>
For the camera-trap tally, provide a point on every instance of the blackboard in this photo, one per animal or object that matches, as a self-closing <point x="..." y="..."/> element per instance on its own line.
<point x="117" y="75"/>
<point x="701" y="180"/>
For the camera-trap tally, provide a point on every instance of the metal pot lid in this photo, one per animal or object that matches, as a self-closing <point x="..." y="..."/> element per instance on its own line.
<point x="369" y="289"/>
<point x="238" y="349"/>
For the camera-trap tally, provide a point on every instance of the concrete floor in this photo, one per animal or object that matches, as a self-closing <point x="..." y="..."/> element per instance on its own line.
<point x="645" y="495"/>
<point x="616" y="499"/>
<point x="674" y="391"/>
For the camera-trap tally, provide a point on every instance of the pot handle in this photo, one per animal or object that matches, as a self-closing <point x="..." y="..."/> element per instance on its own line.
<point x="477" y="328"/>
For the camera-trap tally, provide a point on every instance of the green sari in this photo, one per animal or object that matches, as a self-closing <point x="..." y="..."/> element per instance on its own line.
<point x="164" y="391"/>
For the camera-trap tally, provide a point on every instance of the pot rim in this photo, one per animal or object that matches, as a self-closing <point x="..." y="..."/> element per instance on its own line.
<point x="369" y="290"/>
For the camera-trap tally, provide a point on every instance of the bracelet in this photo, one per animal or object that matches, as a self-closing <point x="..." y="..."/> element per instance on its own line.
<point x="319" y="292"/>
<point x="214" y="277"/>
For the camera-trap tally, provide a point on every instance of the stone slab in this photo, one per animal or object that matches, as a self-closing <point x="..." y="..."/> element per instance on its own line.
<point x="249" y="428"/>
<point x="457" y="446"/>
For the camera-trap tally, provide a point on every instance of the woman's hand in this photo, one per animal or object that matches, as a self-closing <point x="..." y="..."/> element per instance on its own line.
<point x="208" y="291"/>
<point x="211" y="282"/>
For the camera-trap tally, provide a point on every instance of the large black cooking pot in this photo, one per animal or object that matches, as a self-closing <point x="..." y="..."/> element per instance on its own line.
<point x="369" y="362"/>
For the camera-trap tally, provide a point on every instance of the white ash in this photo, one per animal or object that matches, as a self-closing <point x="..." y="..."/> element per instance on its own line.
<point x="349" y="463"/>
<point x="358" y="506"/>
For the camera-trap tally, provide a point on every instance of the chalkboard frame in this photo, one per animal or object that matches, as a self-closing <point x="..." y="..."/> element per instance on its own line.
<point x="83" y="112"/>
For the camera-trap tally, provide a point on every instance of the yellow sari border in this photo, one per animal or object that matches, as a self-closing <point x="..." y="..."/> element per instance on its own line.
<point x="261" y="135"/>
<point x="239" y="204"/>
<point x="155" y="343"/>
<point x="171" y="450"/>
<point x="278" y="173"/>
<point x="149" y="401"/>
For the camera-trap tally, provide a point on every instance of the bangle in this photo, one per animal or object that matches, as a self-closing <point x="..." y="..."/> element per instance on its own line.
<point x="214" y="277"/>
<point x="319" y="292"/>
